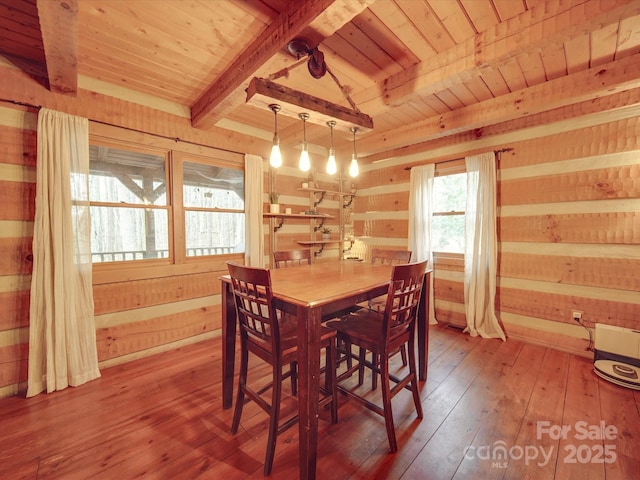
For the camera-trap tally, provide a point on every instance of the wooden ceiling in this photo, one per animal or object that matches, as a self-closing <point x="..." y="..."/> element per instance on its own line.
<point x="422" y="69"/>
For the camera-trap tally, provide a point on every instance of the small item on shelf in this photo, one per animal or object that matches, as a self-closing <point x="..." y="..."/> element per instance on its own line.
<point x="274" y="207"/>
<point x="326" y="233"/>
<point x="287" y="211"/>
<point x="310" y="212"/>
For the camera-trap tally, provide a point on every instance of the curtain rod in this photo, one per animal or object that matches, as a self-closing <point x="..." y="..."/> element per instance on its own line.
<point x="158" y="135"/>
<point x="502" y="150"/>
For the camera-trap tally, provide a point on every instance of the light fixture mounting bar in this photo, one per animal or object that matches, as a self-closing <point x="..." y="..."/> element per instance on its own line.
<point x="261" y="93"/>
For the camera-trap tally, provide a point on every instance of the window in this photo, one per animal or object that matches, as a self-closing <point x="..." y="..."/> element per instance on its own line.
<point x="213" y="199"/>
<point x="447" y="223"/>
<point x="159" y="205"/>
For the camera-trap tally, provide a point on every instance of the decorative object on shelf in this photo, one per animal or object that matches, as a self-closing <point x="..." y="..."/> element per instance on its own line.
<point x="326" y="233"/>
<point x="274" y="206"/>
<point x="275" y="159"/>
<point x="332" y="168"/>
<point x="305" y="161"/>
<point x="353" y="168"/>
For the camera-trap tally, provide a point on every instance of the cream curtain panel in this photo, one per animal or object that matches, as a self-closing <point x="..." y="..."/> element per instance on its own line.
<point x="253" y="192"/>
<point x="420" y="212"/>
<point x="62" y="337"/>
<point x="481" y="247"/>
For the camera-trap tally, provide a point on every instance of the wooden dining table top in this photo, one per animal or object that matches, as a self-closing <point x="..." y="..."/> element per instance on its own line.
<point x="324" y="283"/>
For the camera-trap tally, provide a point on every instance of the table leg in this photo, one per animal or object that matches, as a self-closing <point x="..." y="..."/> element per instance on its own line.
<point x="228" y="312"/>
<point x="308" y="388"/>
<point x="423" y="329"/>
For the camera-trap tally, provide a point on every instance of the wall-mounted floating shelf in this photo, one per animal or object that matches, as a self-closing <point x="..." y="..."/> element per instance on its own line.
<point x="322" y="243"/>
<point x="281" y="218"/>
<point x="323" y="193"/>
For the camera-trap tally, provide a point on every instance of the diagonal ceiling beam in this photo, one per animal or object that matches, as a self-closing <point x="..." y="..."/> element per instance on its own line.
<point x="59" y="30"/>
<point x="323" y="17"/>
<point x="531" y="31"/>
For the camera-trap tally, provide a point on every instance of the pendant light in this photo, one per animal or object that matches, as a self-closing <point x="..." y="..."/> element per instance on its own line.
<point x="275" y="160"/>
<point x="332" y="168"/>
<point x="353" y="168"/>
<point x="305" y="161"/>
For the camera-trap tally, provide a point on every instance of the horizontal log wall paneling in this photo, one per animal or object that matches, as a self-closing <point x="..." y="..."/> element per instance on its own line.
<point x="139" y="311"/>
<point x="568" y="224"/>
<point x="17" y="197"/>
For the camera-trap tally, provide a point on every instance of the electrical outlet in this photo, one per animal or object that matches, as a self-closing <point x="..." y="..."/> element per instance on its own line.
<point x="577" y="316"/>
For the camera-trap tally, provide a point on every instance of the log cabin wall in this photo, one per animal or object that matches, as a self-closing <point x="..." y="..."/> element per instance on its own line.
<point x="138" y="311"/>
<point x="568" y="220"/>
<point x="569" y="225"/>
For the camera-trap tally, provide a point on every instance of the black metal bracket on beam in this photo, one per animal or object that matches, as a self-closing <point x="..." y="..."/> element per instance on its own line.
<point x="348" y="202"/>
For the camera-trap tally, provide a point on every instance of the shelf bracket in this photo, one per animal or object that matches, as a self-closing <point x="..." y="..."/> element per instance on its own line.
<point x="319" y="252"/>
<point x="348" y="202"/>
<point x="318" y="202"/>
<point x="319" y="226"/>
<point x="280" y="220"/>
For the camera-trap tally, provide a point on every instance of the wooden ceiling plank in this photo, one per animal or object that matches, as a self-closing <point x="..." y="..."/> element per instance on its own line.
<point x="533" y="69"/>
<point x="507" y="9"/>
<point x="577" y="53"/>
<point x="603" y="44"/>
<point x="614" y="77"/>
<point x="483" y="18"/>
<point x="385" y="38"/>
<point x="513" y="75"/>
<point x="478" y="88"/>
<point x="224" y="94"/>
<point x="456" y="24"/>
<point x="398" y="22"/>
<point x="629" y="37"/>
<point x="531" y="31"/>
<point x="59" y="27"/>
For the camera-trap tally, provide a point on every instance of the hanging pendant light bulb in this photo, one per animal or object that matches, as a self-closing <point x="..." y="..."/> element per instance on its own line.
<point x="332" y="168"/>
<point x="305" y="161"/>
<point x="275" y="159"/>
<point x="353" y="168"/>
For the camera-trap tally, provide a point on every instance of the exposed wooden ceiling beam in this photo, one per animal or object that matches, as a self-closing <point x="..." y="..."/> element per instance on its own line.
<point x="59" y="29"/>
<point x="530" y="31"/>
<point x="323" y="17"/>
<point x="600" y="81"/>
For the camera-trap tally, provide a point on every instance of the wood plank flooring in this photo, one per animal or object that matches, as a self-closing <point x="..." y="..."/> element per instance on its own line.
<point x="492" y="410"/>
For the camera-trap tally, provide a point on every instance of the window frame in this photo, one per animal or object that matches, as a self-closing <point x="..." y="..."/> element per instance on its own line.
<point x="177" y="261"/>
<point x="451" y="167"/>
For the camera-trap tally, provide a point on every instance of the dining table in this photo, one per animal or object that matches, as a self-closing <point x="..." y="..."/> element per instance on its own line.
<point x="311" y="293"/>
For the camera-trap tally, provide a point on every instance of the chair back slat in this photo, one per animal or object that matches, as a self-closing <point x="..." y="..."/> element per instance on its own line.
<point x="403" y="299"/>
<point x="292" y="258"/>
<point x="389" y="257"/>
<point x="257" y="315"/>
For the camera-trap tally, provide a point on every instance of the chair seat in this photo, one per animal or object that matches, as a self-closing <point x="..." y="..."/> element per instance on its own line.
<point x="362" y="326"/>
<point x="289" y="333"/>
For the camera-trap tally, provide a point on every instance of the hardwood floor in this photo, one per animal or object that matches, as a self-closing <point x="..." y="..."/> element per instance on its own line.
<point x="161" y="418"/>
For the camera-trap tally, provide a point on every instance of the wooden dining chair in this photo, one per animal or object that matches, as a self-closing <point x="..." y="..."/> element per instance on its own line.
<point x="292" y="258"/>
<point x="270" y="335"/>
<point x="383" y="333"/>
<point x="380" y="256"/>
